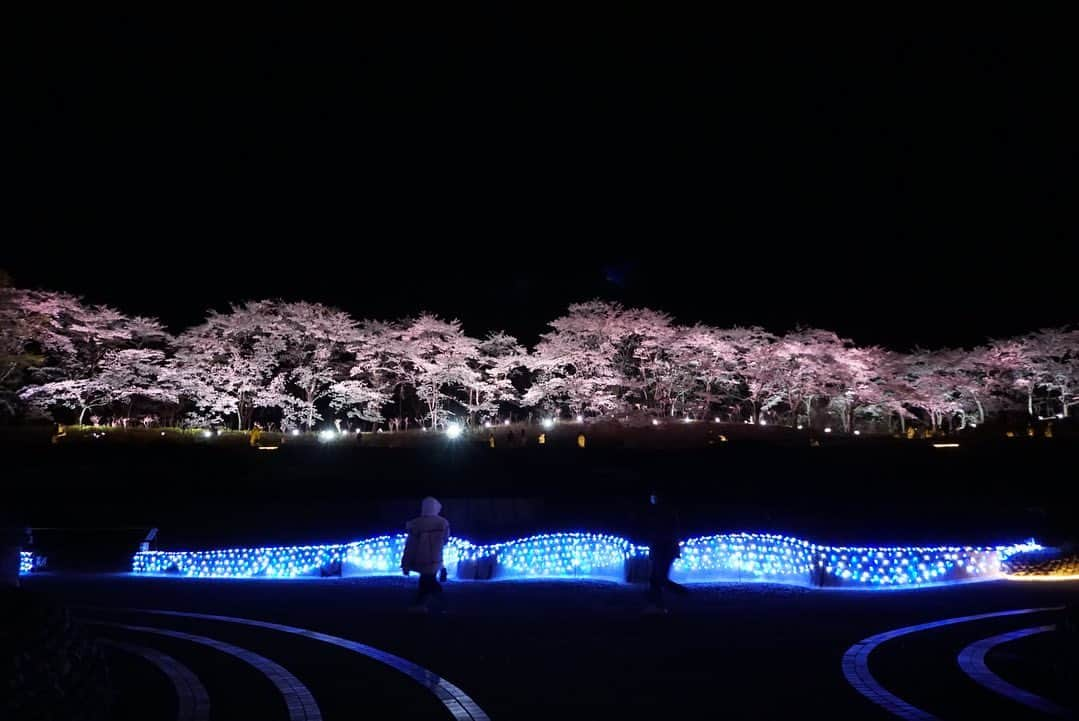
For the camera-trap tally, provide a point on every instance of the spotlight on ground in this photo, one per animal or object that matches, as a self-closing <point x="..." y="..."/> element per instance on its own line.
<point x="454" y="430"/>
<point x="548" y="423"/>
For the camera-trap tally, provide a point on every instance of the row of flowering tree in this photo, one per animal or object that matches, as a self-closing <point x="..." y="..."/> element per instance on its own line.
<point x="299" y="365"/>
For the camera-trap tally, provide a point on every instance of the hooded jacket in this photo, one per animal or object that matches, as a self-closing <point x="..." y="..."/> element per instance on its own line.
<point x="427" y="535"/>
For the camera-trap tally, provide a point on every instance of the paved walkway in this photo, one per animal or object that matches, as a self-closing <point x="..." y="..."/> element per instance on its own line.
<point x="342" y="649"/>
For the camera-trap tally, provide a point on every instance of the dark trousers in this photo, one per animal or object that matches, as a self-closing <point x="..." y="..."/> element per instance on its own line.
<point x="429" y="586"/>
<point x="659" y="580"/>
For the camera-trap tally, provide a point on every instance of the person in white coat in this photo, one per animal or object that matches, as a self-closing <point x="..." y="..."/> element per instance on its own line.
<point x="427" y="536"/>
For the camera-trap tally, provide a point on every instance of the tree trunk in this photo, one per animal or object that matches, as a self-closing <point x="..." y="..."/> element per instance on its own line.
<point x="82" y="415"/>
<point x="1030" y="400"/>
<point x="981" y="409"/>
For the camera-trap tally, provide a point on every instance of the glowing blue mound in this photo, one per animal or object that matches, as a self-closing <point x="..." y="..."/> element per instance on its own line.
<point x="722" y="557"/>
<point x="26" y="562"/>
<point x="744" y="557"/>
<point x="273" y="562"/>
<point x="910" y="565"/>
<point x="561" y="555"/>
<point x="381" y="555"/>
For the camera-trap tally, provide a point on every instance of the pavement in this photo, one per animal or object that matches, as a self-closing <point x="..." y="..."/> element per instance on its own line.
<point x="336" y="648"/>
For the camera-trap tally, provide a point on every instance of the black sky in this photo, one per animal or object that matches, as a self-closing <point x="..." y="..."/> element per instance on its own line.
<point x="899" y="189"/>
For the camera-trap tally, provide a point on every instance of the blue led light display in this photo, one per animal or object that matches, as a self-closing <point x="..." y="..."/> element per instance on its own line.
<point x="732" y="556"/>
<point x="562" y="555"/>
<point x="26" y="562"/>
<point x="741" y="556"/>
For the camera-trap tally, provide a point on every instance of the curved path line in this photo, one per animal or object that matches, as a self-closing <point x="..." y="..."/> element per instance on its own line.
<point x="194" y="702"/>
<point x="972" y="661"/>
<point x="299" y="701"/>
<point x="856" y="662"/>
<point x="456" y="701"/>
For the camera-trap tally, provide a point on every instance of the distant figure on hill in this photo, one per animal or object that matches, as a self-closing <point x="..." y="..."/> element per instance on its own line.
<point x="428" y="534"/>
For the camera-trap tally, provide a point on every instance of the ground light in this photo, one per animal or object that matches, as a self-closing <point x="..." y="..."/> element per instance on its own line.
<point x="207" y="434"/>
<point x="453" y="430"/>
<point x="857" y="433"/>
<point x="726" y="556"/>
<point x="655" y="422"/>
<point x="487" y="424"/>
<point x="295" y="431"/>
<point x="827" y="430"/>
<point x="548" y="423"/>
<point x="326" y="436"/>
<point x="945" y="445"/>
<point x="580" y="419"/>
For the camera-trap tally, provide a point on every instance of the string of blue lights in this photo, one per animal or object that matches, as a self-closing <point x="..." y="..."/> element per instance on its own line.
<point x="732" y="556"/>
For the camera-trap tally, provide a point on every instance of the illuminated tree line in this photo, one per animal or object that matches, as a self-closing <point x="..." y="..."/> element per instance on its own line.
<point x="302" y="365"/>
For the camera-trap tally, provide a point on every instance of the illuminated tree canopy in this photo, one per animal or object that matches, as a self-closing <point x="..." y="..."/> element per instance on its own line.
<point x="302" y="365"/>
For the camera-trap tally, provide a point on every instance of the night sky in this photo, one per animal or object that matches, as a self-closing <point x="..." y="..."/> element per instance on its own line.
<point x="900" y="190"/>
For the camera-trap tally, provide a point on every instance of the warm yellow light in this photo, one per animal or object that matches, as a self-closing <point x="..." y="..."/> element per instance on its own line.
<point x="945" y="445"/>
<point x="268" y="448"/>
<point x="1069" y="577"/>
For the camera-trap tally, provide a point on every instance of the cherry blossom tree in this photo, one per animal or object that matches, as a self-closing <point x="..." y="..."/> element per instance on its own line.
<point x="436" y="360"/>
<point x="498" y="357"/>
<point x="315" y="357"/>
<point x="123" y="375"/>
<point x="76" y="355"/>
<point x="573" y="364"/>
<point x="227" y="365"/>
<point x="936" y="380"/>
<point x="802" y="362"/>
<point x="707" y="358"/>
<point x="753" y="366"/>
<point x="855" y="385"/>
<point x="1052" y="364"/>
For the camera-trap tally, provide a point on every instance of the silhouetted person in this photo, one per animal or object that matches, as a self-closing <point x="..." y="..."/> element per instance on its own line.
<point x="427" y="535"/>
<point x="661" y="532"/>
